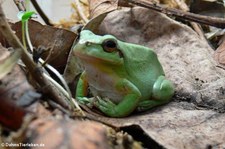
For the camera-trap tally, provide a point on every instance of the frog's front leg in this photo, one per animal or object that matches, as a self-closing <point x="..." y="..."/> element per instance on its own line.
<point x="126" y="106"/>
<point x="163" y="91"/>
<point x="82" y="89"/>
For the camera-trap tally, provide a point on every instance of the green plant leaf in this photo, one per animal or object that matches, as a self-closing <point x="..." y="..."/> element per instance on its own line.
<point x="24" y="16"/>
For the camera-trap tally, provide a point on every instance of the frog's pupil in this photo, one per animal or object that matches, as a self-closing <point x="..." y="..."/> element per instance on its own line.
<point x="110" y="44"/>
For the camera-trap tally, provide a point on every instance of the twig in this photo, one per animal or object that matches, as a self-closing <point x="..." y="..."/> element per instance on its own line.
<point x="57" y="106"/>
<point x="34" y="70"/>
<point x="212" y="21"/>
<point x="80" y="11"/>
<point x="198" y="29"/>
<point x="41" y="13"/>
<point x="26" y="38"/>
<point x="20" y="5"/>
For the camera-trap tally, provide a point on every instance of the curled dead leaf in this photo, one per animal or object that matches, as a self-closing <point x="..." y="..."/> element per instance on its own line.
<point x="57" y="41"/>
<point x="188" y="62"/>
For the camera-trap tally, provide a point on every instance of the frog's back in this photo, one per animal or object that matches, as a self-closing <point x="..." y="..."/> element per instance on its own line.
<point x="143" y="68"/>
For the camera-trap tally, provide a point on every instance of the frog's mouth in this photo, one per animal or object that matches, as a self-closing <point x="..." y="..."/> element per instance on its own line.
<point x="94" y="59"/>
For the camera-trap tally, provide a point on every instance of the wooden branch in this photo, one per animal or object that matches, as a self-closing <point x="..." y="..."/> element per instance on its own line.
<point x="197" y="27"/>
<point x="20" y="5"/>
<point x="80" y="11"/>
<point x="212" y="21"/>
<point x="35" y="71"/>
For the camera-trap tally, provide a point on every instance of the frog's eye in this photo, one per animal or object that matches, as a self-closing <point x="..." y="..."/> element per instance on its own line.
<point x="109" y="45"/>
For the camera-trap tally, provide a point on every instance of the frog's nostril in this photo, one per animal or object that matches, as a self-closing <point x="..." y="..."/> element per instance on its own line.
<point x="87" y="43"/>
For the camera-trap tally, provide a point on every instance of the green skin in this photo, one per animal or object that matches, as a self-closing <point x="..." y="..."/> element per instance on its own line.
<point x="122" y="77"/>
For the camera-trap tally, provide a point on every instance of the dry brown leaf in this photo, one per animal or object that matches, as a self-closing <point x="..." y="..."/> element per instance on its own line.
<point x="98" y="7"/>
<point x="75" y="135"/>
<point x="15" y="92"/>
<point x="60" y="40"/>
<point x="15" y="86"/>
<point x="188" y="62"/>
<point x="219" y="54"/>
<point x="67" y="134"/>
<point x="178" y="126"/>
<point x="7" y="60"/>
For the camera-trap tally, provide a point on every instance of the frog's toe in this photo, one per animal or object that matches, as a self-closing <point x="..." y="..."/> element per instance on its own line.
<point x="105" y="102"/>
<point x="148" y="104"/>
<point x="104" y="109"/>
<point x="84" y="100"/>
<point x="101" y="103"/>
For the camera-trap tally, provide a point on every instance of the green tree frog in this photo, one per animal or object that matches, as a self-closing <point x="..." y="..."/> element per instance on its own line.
<point x="122" y="77"/>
